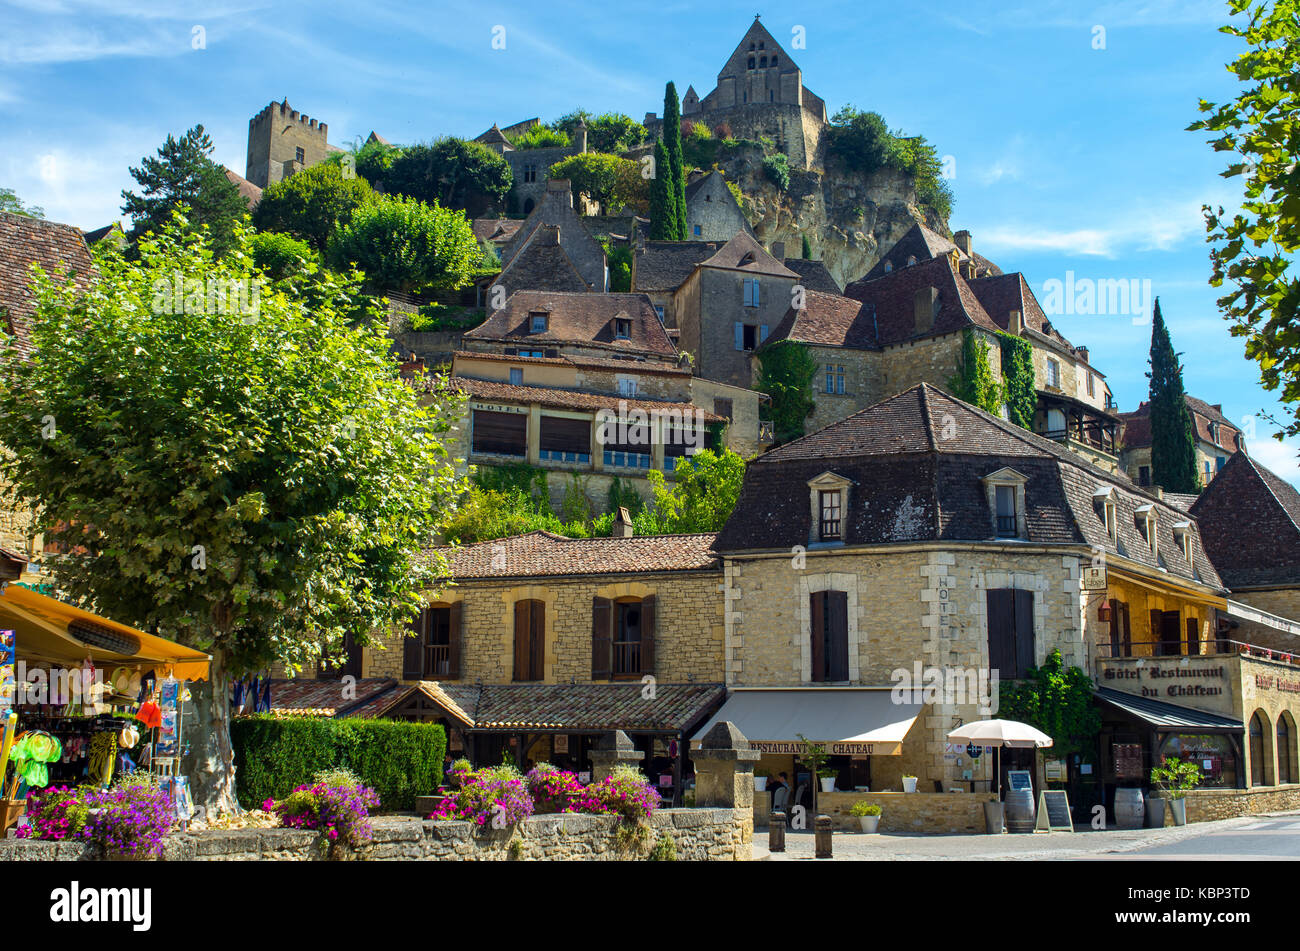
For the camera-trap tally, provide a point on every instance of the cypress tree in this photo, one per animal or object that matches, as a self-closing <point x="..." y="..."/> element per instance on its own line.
<point x="677" y="176"/>
<point x="662" y="213"/>
<point x="1173" y="450"/>
<point x="807" y="249"/>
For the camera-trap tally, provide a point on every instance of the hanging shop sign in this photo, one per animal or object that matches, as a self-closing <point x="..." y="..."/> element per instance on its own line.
<point x="1094" y="578"/>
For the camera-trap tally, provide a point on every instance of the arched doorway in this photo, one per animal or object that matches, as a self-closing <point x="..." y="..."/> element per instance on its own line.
<point x="1286" y="754"/>
<point x="1261" y="753"/>
<point x="529" y="205"/>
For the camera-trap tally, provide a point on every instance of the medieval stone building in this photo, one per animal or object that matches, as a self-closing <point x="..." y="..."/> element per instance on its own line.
<point x="281" y="142"/>
<point x="530" y="168"/>
<point x="1216" y="439"/>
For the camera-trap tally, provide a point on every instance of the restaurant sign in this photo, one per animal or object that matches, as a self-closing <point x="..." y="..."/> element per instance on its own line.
<point x="845" y="748"/>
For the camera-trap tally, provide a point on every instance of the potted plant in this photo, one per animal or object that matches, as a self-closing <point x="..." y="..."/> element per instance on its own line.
<point x="828" y="777"/>
<point x="760" y="780"/>
<point x="814" y="754"/>
<point x="1174" y="777"/>
<point x="868" y="815"/>
<point x="909" y="783"/>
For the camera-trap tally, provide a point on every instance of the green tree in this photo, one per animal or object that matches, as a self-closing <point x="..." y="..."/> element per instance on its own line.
<point x="182" y="174"/>
<point x="280" y="255"/>
<point x="786" y="371"/>
<point x="974" y="382"/>
<point x="374" y="160"/>
<point x="614" y="132"/>
<point x="1057" y="700"/>
<point x="608" y="180"/>
<point x="807" y="248"/>
<point x="1254" y="249"/>
<point x="777" y="168"/>
<point x="10" y="202"/>
<point x="703" y="495"/>
<point x="663" y="217"/>
<point x="864" y="143"/>
<point x="452" y="172"/>
<point x="619" y="258"/>
<point x="1173" y="448"/>
<point x="403" y="244"/>
<point x="253" y="482"/>
<point x="540" y="137"/>
<point x="312" y="204"/>
<point x="677" y="171"/>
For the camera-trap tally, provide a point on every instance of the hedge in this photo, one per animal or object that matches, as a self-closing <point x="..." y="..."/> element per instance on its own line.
<point x="399" y="760"/>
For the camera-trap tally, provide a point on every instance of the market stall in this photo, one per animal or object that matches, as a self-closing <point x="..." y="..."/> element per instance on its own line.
<point x="84" y="699"/>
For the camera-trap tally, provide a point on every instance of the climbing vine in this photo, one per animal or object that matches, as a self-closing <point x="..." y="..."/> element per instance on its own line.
<point x="1018" y="379"/>
<point x="1057" y="700"/>
<point x="974" y="382"/>
<point x="786" y="372"/>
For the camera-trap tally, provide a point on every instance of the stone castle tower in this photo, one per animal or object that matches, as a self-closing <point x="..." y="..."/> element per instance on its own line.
<point x="281" y="142"/>
<point x="760" y="93"/>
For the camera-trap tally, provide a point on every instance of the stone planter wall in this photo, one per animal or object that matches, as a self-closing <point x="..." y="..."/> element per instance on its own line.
<point x="910" y="812"/>
<point x="1206" y="805"/>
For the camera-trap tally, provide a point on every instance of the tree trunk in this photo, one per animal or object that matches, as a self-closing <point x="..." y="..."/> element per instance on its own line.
<point x="212" y="776"/>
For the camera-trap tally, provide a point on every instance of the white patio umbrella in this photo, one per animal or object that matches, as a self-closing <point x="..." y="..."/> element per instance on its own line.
<point x="1000" y="733"/>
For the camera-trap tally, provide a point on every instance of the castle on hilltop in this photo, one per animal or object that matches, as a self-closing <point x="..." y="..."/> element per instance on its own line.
<point x="760" y="94"/>
<point x="281" y="142"/>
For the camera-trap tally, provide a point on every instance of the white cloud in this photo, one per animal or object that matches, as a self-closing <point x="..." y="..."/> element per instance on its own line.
<point x="1282" y="458"/>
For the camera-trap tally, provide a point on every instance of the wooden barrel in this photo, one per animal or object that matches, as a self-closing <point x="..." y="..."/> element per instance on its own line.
<point x="1130" y="809"/>
<point x="1020" y="810"/>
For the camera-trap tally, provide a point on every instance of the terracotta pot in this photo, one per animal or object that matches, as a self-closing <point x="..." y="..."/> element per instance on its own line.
<point x="10" y="811"/>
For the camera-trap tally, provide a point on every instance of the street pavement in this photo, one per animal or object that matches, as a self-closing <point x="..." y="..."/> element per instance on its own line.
<point x="1273" y="836"/>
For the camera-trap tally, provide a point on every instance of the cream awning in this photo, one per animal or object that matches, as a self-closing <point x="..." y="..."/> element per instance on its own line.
<point x="849" y="720"/>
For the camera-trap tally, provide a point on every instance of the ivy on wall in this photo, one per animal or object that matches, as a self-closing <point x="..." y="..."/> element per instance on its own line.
<point x="1057" y="700"/>
<point x="786" y="372"/>
<point x="974" y="382"/>
<point x="1018" y="379"/>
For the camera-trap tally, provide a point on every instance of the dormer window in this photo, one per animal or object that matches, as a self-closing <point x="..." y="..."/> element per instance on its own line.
<point x="1005" y="491"/>
<point x="1183" y="539"/>
<point x="622" y="328"/>
<point x="1214" y="433"/>
<point x="911" y="259"/>
<point x="537" y="321"/>
<point x="1145" y="518"/>
<point x="889" y="266"/>
<point x="1104" y="500"/>
<point x="829" y="499"/>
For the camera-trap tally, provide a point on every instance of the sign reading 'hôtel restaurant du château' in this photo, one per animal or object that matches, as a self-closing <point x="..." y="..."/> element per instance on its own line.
<point x="1167" y="681"/>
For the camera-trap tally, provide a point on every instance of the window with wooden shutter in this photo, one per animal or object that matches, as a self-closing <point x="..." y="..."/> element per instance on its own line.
<point x="1000" y="603"/>
<point x="530" y="639"/>
<point x="722" y="407"/>
<point x="601" y="648"/>
<point x="1167" y="627"/>
<point x="503" y="434"/>
<point x="1193" y="637"/>
<point x="565" y="440"/>
<point x="349" y="665"/>
<point x="413" y="647"/>
<point x="830" y="636"/>
<point x="648" y="635"/>
<point x="453" y="640"/>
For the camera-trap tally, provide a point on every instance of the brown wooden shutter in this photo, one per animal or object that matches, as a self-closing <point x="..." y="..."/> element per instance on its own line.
<point x="1193" y="636"/>
<point x="453" y="640"/>
<point x="1024" y="632"/>
<point x="837" y="623"/>
<point x="1171" y="632"/>
<point x="1001" y="620"/>
<point x="537" y="640"/>
<point x="413" y="647"/>
<point x="353" y="663"/>
<point x="818" y="633"/>
<point x="601" y="646"/>
<point x="504" y="433"/>
<point x="1116" y="628"/>
<point x="522" y="630"/>
<point x="648" y="635"/>
<point x="1128" y="630"/>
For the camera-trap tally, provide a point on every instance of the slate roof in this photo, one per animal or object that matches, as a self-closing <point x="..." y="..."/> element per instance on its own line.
<point x="543" y="554"/>
<point x="1137" y="425"/>
<point x="543" y="265"/>
<point x="892" y="299"/>
<point x="827" y="320"/>
<point x="924" y="244"/>
<point x="1002" y="293"/>
<point x="493" y="136"/>
<point x="1167" y="716"/>
<point x="585" y="707"/>
<point x="915" y="462"/>
<point x="1250" y="521"/>
<point x="57" y="248"/>
<point x="814" y="276"/>
<point x="559" y="398"/>
<point x="324" y="698"/>
<point x="744" y="253"/>
<point x="556" y="210"/>
<point x="495" y="229"/>
<point x="665" y="265"/>
<point x="579" y="318"/>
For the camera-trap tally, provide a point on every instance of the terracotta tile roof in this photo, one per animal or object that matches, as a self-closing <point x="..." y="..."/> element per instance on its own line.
<point x="571" y="399"/>
<point x="664" y="265"/>
<point x="591" y="707"/>
<point x="1250" y="519"/>
<point x="324" y="698"/>
<point x="744" y="253"/>
<point x="543" y="554"/>
<point x="250" y="192"/>
<point x="915" y="462"/>
<point x="923" y="244"/>
<point x="1137" y="425"/>
<point x="892" y="297"/>
<point x="827" y="320"/>
<point x="814" y="276"/>
<point x="57" y="248"/>
<point x="576" y="318"/>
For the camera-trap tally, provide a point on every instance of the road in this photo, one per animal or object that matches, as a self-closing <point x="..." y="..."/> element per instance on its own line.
<point x="1247" y="838"/>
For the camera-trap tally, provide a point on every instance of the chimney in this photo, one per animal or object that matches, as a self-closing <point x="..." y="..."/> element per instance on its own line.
<point x="778" y="250"/>
<point x="1083" y="353"/>
<point x="962" y="240"/>
<point x="1158" y="492"/>
<point x="1014" y="323"/>
<point x="640" y="238"/>
<point x="623" y="524"/>
<point x="582" y="135"/>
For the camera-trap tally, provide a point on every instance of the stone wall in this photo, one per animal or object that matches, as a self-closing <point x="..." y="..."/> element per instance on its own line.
<point x="699" y="835"/>
<point x="1206" y="805"/>
<point x="928" y="813"/>
<point x="709" y="305"/>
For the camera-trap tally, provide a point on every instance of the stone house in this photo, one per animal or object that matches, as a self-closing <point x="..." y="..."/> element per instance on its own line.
<point x="1216" y="440"/>
<point x="711" y="210"/>
<point x="659" y="268"/>
<point x="530" y="168"/>
<point x="923" y="534"/>
<point x="552" y="249"/>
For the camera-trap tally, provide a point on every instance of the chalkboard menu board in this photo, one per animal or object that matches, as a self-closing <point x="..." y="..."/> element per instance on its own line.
<point x="1054" y="811"/>
<point x="1019" y="779"/>
<point x="1128" y="760"/>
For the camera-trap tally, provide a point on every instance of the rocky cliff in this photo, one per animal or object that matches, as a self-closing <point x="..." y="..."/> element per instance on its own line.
<point x="849" y="218"/>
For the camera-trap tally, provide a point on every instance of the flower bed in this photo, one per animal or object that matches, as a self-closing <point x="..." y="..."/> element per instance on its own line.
<point x="336" y="803"/>
<point x="503" y="796"/>
<point x="131" y="818"/>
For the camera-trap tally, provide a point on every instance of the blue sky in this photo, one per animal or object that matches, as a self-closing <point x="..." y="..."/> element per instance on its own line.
<point x="1066" y="158"/>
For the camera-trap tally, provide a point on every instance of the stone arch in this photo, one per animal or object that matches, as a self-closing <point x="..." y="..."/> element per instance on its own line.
<point x="529" y="205"/>
<point x="1260" y="740"/>
<point x="1286" y="748"/>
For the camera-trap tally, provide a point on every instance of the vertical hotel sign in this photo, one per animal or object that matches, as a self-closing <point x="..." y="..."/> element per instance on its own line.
<point x="8" y="685"/>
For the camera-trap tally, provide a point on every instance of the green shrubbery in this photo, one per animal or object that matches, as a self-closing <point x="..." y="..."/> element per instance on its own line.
<point x="864" y="143"/>
<point x="275" y="755"/>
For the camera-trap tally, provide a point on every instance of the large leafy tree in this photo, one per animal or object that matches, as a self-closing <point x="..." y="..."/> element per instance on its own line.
<point x="312" y="203"/>
<point x="610" y="132"/>
<point x="255" y="482"/>
<point x="702" y="497"/>
<point x="1173" y="449"/>
<point x="608" y="180"/>
<point x="9" y="201"/>
<point x="452" y="172"/>
<point x="1253" y="250"/>
<point x="403" y="244"/>
<point x="786" y="371"/>
<point x="677" y="171"/>
<point x="183" y="174"/>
